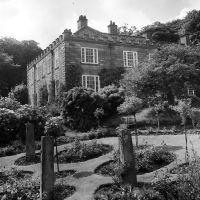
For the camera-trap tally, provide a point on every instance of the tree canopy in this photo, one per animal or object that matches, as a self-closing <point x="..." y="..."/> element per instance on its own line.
<point x="170" y="72"/>
<point x="14" y="57"/>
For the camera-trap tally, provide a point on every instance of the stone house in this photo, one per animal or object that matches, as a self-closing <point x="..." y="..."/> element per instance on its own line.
<point x="89" y="49"/>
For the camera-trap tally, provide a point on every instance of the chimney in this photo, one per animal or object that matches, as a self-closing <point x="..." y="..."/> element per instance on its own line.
<point x="82" y="22"/>
<point x="112" y="28"/>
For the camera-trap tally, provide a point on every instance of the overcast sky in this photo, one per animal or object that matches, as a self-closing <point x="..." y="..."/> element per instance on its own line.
<point x="44" y="20"/>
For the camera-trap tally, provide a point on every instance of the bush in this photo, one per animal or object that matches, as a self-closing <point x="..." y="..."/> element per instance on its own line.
<point x="32" y="115"/>
<point x="113" y="97"/>
<point x="185" y="187"/>
<point x="54" y="127"/>
<point x="9" y="103"/>
<point x="20" y="93"/>
<point x="81" y="152"/>
<point x="117" y="192"/>
<point x="78" y="108"/>
<point x="148" y="159"/>
<point x="8" y="125"/>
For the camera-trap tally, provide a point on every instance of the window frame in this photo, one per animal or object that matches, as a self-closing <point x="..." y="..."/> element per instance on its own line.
<point x="126" y="59"/>
<point x="96" y="79"/>
<point x="95" y="57"/>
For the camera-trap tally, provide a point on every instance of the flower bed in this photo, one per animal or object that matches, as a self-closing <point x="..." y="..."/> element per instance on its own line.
<point x="20" y="185"/>
<point x="82" y="152"/>
<point x="24" y="162"/>
<point x="147" y="160"/>
<point x="116" y="191"/>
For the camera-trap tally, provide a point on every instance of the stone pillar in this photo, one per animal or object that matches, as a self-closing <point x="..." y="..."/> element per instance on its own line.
<point x="127" y="156"/>
<point x="30" y="142"/>
<point x="47" y="168"/>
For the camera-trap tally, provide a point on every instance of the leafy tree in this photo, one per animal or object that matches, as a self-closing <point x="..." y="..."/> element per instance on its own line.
<point x="10" y="74"/>
<point x="22" y="53"/>
<point x="20" y="93"/>
<point x="170" y="72"/>
<point x="183" y="108"/>
<point x="159" y="106"/>
<point x="161" y="33"/>
<point x="192" y="26"/>
<point x="126" y="30"/>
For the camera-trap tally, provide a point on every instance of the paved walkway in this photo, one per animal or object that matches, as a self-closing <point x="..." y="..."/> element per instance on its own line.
<point x="86" y="181"/>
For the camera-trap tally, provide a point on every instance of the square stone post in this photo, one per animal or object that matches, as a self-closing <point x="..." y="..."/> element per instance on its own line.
<point x="47" y="168"/>
<point x="30" y="142"/>
<point x="127" y="157"/>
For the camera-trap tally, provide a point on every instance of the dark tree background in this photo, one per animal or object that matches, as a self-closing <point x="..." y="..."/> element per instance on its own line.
<point x="14" y="57"/>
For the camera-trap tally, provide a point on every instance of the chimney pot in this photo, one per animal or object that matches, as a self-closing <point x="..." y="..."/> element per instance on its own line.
<point x="82" y="22"/>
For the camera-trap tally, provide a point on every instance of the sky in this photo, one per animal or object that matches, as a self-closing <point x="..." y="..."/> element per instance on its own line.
<point x="44" y="20"/>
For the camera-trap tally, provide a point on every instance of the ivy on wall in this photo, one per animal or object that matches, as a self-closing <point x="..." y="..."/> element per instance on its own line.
<point x="73" y="76"/>
<point x="111" y="76"/>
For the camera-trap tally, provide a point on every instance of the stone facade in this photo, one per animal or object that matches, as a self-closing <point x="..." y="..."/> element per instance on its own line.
<point x="88" y="48"/>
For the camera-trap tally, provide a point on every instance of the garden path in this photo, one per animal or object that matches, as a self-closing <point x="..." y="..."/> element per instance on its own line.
<point x="86" y="181"/>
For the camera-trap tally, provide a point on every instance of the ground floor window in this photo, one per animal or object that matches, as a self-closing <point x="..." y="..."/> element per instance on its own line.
<point x="91" y="81"/>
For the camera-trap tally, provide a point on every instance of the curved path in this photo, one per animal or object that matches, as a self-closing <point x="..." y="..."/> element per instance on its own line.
<point x="86" y="181"/>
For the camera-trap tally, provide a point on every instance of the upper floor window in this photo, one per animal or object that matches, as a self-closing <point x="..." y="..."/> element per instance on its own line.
<point x="91" y="81"/>
<point x="89" y="55"/>
<point x="130" y="58"/>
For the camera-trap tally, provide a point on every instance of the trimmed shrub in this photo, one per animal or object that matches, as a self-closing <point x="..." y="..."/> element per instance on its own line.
<point x="79" y="106"/>
<point x="113" y="97"/>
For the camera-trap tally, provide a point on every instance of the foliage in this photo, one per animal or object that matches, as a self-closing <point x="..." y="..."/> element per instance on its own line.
<point x="10" y="74"/>
<point x="53" y="127"/>
<point x="9" y="103"/>
<point x="111" y="76"/>
<point x="192" y="26"/>
<point x="159" y="106"/>
<point x="185" y="187"/>
<point x="161" y="33"/>
<point x="20" y="185"/>
<point x="113" y="97"/>
<point x="148" y="159"/>
<point x="130" y="106"/>
<point x="22" y="52"/>
<point x="32" y="115"/>
<point x="9" y="123"/>
<point x="170" y="72"/>
<point x="72" y="77"/>
<point x="20" y="93"/>
<point x="183" y="108"/>
<point x="43" y="95"/>
<point x="79" y="105"/>
<point x="81" y="152"/>
<point x="116" y="192"/>
<point x="126" y="30"/>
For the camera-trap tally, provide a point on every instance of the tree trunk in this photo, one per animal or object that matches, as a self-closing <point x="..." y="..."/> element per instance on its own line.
<point x="127" y="157"/>
<point x="57" y="156"/>
<point x="186" y="146"/>
<point x="136" y="133"/>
